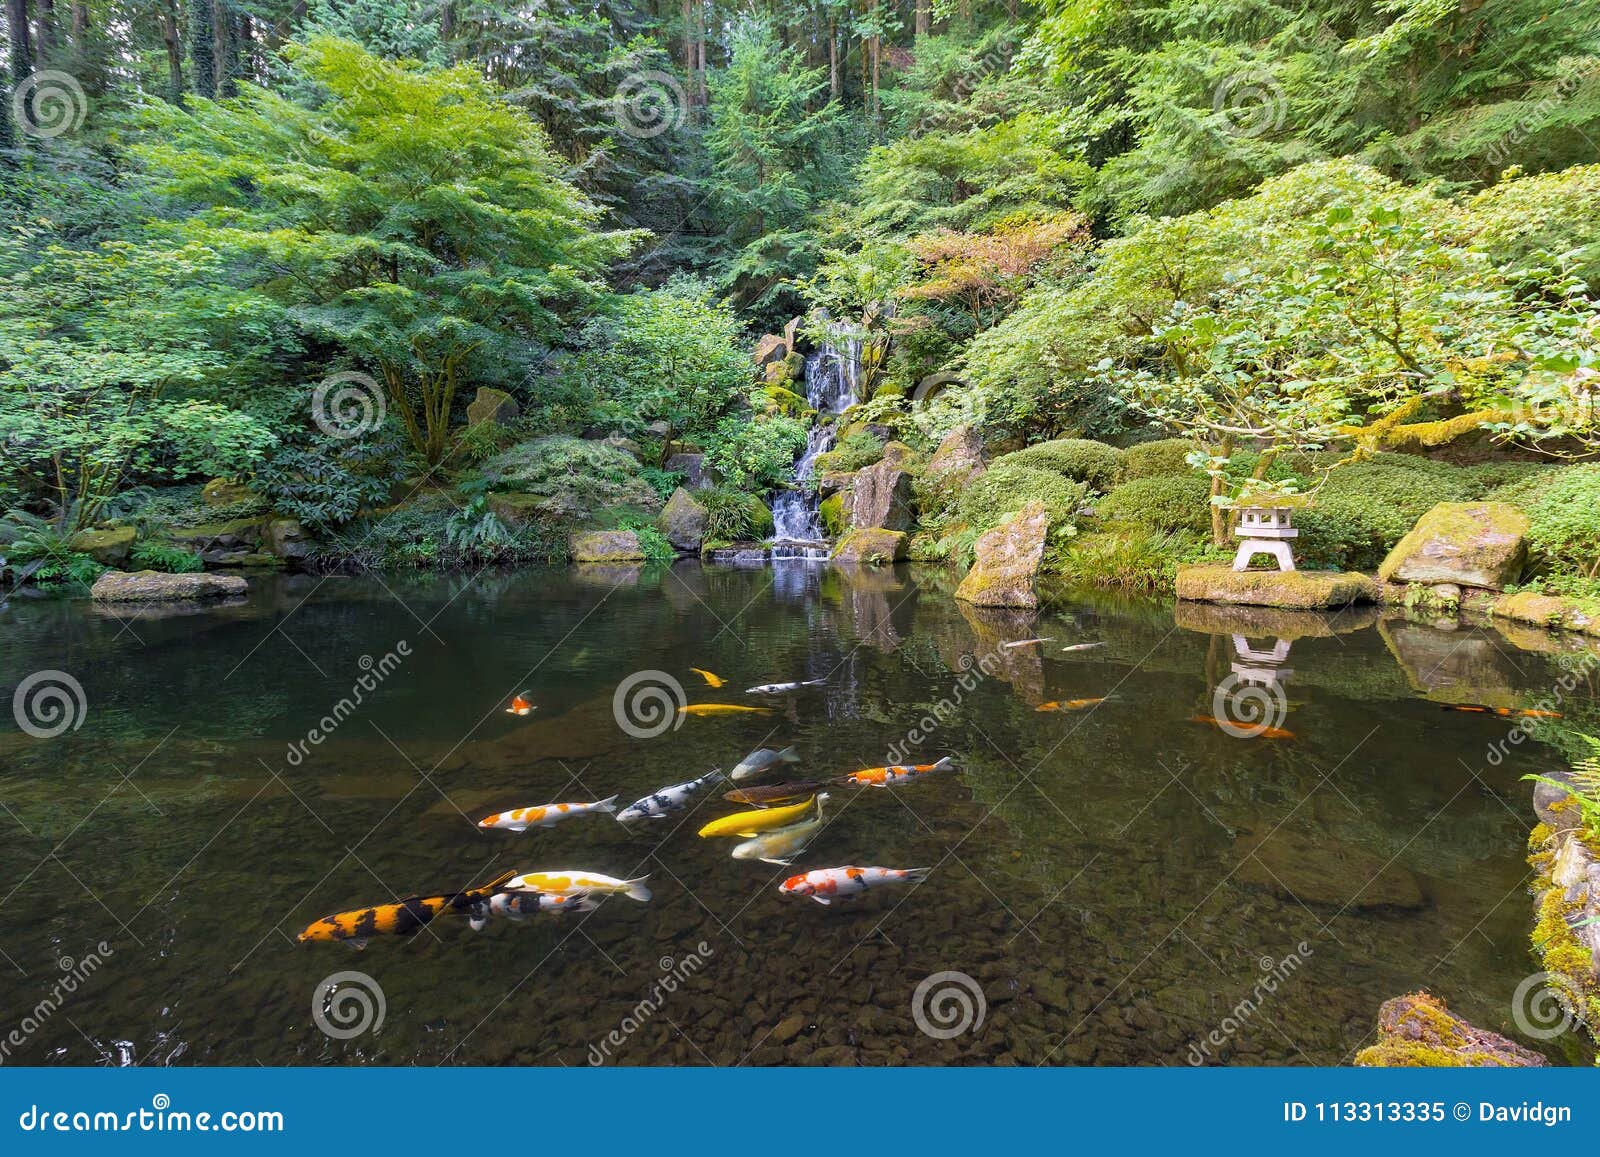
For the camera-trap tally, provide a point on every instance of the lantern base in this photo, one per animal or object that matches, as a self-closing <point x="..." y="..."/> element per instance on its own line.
<point x="1251" y="547"/>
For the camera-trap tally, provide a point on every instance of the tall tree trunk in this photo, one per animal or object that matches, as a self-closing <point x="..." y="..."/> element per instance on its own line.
<point x="924" y="18"/>
<point x="203" y="48"/>
<point x="21" y="40"/>
<point x="686" y="14"/>
<point x="224" y="47"/>
<point x="835" y="80"/>
<point x="700" y="51"/>
<point x="80" y="23"/>
<point x="169" y="34"/>
<point x="447" y="20"/>
<point x="247" y="47"/>
<point x="875" y="55"/>
<point x="44" y="35"/>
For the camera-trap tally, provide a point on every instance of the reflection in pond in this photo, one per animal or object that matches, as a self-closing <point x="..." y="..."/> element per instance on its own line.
<point x="1111" y="878"/>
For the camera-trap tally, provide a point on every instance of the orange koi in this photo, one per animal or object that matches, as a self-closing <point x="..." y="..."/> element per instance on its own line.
<point x="1070" y="704"/>
<point x="519" y="705"/>
<point x="722" y="709"/>
<point x="1503" y="712"/>
<point x="890" y="776"/>
<point x="1245" y="730"/>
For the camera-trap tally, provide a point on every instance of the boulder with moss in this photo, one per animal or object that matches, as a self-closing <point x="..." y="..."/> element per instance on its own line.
<point x="1006" y="561"/>
<point x="770" y="348"/>
<point x="1418" y="1031"/>
<point x="959" y="457"/>
<point x="883" y="495"/>
<point x="159" y="586"/>
<point x="1304" y="589"/>
<point x="683" y="521"/>
<point x="872" y="546"/>
<point x="226" y="492"/>
<point x="832" y="512"/>
<point x="494" y="406"/>
<point x="606" y="546"/>
<point x="106" y="547"/>
<point x="1474" y="544"/>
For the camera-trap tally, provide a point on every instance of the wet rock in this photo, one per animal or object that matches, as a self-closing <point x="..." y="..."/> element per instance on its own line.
<point x="1307" y="867"/>
<point x="959" y="457"/>
<point x="1546" y="611"/>
<point x="155" y="586"/>
<point x="881" y="496"/>
<point x="1008" y="558"/>
<point x="1475" y="544"/>
<point x="492" y="405"/>
<point x="606" y="546"/>
<point x="230" y="535"/>
<point x="1274" y="588"/>
<point x="106" y="547"/>
<point x="788" y="1028"/>
<point x="1418" y="1031"/>
<point x="873" y="547"/>
<point x="683" y="521"/>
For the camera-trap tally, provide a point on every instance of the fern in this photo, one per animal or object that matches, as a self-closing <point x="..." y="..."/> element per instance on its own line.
<point x="1583" y="785"/>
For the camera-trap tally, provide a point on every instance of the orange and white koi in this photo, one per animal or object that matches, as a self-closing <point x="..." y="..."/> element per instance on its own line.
<point x="1503" y="712"/>
<point x="711" y="680"/>
<point x="722" y="709"/>
<point x="1244" y="730"/>
<point x="548" y="815"/>
<point x="896" y="774"/>
<point x="1070" y="704"/>
<point x="520" y="705"/>
<point x="825" y="885"/>
<point x="401" y="918"/>
<point x="576" y="882"/>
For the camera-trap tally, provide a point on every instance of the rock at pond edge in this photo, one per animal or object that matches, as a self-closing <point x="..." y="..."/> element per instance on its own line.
<point x="1303" y="589"/>
<point x="606" y="546"/>
<point x="1474" y="544"/>
<point x="1007" y="560"/>
<point x="1418" y="1031"/>
<point x="872" y="546"/>
<point x="157" y="586"/>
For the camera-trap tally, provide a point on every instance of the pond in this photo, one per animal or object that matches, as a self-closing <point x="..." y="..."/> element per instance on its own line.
<point x="1125" y="882"/>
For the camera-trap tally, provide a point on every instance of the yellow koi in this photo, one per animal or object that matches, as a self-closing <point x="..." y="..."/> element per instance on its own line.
<point x="711" y="680"/>
<point x="750" y="823"/>
<point x="721" y="709"/>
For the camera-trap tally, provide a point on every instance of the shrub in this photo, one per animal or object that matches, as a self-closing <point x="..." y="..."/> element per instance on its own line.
<point x="1163" y="502"/>
<point x="430" y="532"/>
<point x="164" y="557"/>
<point x="575" y="477"/>
<point x="756" y="455"/>
<point x="326" y="483"/>
<point x="1486" y="477"/>
<point x="652" y="542"/>
<point x="734" y="516"/>
<point x="857" y="451"/>
<point x="663" y="482"/>
<point x="1363" y="509"/>
<point x="1007" y="487"/>
<point x="1080" y="459"/>
<point x="1564" y="531"/>
<point x="1154" y="459"/>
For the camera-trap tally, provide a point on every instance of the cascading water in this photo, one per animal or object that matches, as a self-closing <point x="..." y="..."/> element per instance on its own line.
<point x="832" y="374"/>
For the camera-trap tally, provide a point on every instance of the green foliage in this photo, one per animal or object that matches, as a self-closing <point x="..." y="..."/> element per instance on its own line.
<point x="1167" y="503"/>
<point x="161" y="556"/>
<point x="1004" y="489"/>
<point x="38" y="550"/>
<point x="652" y="542"/>
<point x="1154" y="459"/>
<point x="431" y="532"/>
<point x="831" y="510"/>
<point x="734" y="516"/>
<point x="663" y="482"/>
<point x="574" y="476"/>
<point x="325" y="483"/>
<point x="1363" y="509"/>
<point x="1080" y="459"/>
<point x="854" y="452"/>
<point x="1132" y="558"/>
<point x="1584" y="788"/>
<point x="1563" y="532"/>
<point x="756" y="454"/>
<point x="1545" y="224"/>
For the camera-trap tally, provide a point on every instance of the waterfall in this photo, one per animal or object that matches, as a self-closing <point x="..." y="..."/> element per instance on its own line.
<point x="832" y="377"/>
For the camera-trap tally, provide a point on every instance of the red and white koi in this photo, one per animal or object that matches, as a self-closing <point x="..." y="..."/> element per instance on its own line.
<point x="520" y="705"/>
<point x="545" y="816"/>
<point x="825" y="885"/>
<point x="895" y="774"/>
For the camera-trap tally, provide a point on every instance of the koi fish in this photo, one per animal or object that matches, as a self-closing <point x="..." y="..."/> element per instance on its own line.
<point x="519" y="906"/>
<point x="780" y="688"/>
<point x="576" y="882"/>
<point x="1082" y="647"/>
<point x="722" y="709"/>
<point x="825" y="885"/>
<point x="1503" y="712"/>
<point x="401" y="918"/>
<point x="898" y="774"/>
<point x="1069" y="704"/>
<point x="711" y="680"/>
<point x="773" y="793"/>
<point x="753" y="823"/>
<point x="763" y="759"/>
<point x="660" y="804"/>
<point x="519" y="705"/>
<point x="1023" y="643"/>
<point x="522" y="818"/>
<point x="1247" y="730"/>
<point x="782" y="845"/>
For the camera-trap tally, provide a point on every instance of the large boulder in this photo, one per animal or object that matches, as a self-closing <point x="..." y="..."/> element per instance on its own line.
<point x="285" y="538"/>
<point x="106" y="547"/>
<point x="1473" y="544"/>
<point x="683" y="521"/>
<point x="225" y="492"/>
<point x="235" y="534"/>
<point x="490" y="405"/>
<point x="881" y="495"/>
<point x="873" y="546"/>
<point x="770" y="348"/>
<point x="155" y="586"/>
<point x="696" y="474"/>
<point x="1304" y="589"/>
<point x="606" y="546"/>
<point x="959" y="457"/>
<point x="1008" y="558"/>
<point x="1418" y="1031"/>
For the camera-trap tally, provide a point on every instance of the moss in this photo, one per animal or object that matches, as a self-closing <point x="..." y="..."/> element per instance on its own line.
<point x="855" y="451"/>
<point x="1273" y="588"/>
<point x="1165" y="502"/>
<point x="786" y="401"/>
<point x="1154" y="459"/>
<point x="832" y="511"/>
<point x="1007" y="486"/>
<point x="873" y="547"/>
<point x="1079" y="459"/>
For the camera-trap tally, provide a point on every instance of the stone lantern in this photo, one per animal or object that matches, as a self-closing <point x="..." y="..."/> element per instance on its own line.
<point x="1264" y="530"/>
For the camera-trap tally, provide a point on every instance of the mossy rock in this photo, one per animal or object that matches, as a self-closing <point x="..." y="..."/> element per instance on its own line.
<point x="1553" y="611"/>
<point x="833" y="517"/>
<point x="1007" y="561"/>
<point x="225" y="492"/>
<point x="606" y="546"/>
<point x="234" y="532"/>
<point x="683" y="521"/>
<point x="1274" y="588"/>
<point x="492" y="405"/>
<point x="158" y="586"/>
<point x="1418" y="1031"/>
<point x="872" y="547"/>
<point x="786" y="401"/>
<point x="106" y="547"/>
<point x="1475" y="544"/>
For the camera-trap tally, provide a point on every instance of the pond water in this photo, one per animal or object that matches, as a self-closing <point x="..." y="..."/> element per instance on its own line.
<point x="1115" y="879"/>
